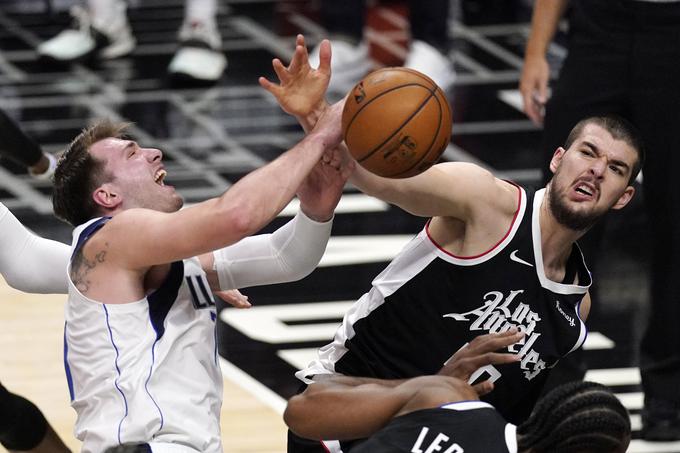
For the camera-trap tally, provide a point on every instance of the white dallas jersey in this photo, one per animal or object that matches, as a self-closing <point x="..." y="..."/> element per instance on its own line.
<point x="145" y="371"/>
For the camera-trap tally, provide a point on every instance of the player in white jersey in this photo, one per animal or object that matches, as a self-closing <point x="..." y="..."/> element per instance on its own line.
<point x="472" y="213"/>
<point x="140" y="321"/>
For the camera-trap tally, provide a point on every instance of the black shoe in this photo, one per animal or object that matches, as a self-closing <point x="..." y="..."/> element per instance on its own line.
<point x="660" y="420"/>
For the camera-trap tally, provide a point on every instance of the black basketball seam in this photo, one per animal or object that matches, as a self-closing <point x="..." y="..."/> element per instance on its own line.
<point x="422" y="158"/>
<point x="419" y="74"/>
<point x="356" y="114"/>
<point x="374" y="150"/>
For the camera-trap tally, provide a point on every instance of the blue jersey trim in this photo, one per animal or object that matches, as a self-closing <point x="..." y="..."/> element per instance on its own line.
<point x="213" y="316"/>
<point x="67" y="368"/>
<point x="160" y="302"/>
<point x="108" y="325"/>
<point x="204" y="291"/>
<point x="88" y="232"/>
<point x="146" y="383"/>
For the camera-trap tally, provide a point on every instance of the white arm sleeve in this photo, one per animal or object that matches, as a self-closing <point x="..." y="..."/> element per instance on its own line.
<point x="288" y="254"/>
<point x="28" y="262"/>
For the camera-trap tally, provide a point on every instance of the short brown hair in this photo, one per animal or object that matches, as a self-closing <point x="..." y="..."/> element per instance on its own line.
<point x="78" y="173"/>
<point x="620" y="129"/>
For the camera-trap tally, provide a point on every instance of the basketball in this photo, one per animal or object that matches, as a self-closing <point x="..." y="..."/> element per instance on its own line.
<point x="396" y="122"/>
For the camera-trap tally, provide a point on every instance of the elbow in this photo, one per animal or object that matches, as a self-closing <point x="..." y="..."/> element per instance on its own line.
<point x="300" y="259"/>
<point x="303" y="268"/>
<point x="12" y="281"/>
<point x="289" y="415"/>
<point x="239" y="220"/>
<point x="18" y="281"/>
<point x="294" y="417"/>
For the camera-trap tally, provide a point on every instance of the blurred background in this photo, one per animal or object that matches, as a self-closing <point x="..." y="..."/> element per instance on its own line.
<point x="212" y="132"/>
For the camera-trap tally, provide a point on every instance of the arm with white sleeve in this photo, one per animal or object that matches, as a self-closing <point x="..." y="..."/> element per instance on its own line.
<point x="28" y="262"/>
<point x="288" y="254"/>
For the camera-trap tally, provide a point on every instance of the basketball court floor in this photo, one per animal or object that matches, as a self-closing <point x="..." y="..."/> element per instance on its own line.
<point x="213" y="136"/>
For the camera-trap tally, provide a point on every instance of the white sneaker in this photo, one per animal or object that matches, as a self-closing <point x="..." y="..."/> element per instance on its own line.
<point x="349" y="64"/>
<point x="428" y="60"/>
<point x="107" y="39"/>
<point x="199" y="57"/>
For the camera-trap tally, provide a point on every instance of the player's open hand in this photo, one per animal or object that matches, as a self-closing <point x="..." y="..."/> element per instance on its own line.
<point x="301" y="89"/>
<point x="479" y="353"/>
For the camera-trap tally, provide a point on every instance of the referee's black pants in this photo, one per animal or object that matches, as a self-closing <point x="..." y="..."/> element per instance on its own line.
<point x="624" y="58"/>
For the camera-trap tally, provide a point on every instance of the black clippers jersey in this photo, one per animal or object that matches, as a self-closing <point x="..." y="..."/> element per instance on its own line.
<point x="470" y="427"/>
<point x="428" y="303"/>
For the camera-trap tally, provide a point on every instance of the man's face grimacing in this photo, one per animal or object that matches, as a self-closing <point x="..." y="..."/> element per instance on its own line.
<point x="134" y="177"/>
<point x="590" y="178"/>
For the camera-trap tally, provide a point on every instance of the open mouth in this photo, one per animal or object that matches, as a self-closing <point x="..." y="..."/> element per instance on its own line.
<point x="585" y="190"/>
<point x="160" y="176"/>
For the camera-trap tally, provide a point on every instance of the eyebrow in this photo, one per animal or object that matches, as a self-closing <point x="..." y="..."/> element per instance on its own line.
<point x="617" y="162"/>
<point x="130" y="144"/>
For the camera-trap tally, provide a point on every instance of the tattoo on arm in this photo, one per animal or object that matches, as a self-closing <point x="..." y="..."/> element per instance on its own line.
<point x="81" y="267"/>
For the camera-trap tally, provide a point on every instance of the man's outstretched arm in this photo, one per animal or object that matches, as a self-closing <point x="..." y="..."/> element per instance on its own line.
<point x="145" y="237"/>
<point x="344" y="407"/>
<point x="28" y="262"/>
<point x="448" y="190"/>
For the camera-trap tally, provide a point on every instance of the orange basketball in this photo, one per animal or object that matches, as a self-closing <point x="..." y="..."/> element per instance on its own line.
<point x="396" y="122"/>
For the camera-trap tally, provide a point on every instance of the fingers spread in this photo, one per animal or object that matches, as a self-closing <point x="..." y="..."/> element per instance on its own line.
<point x="280" y="70"/>
<point x="297" y="61"/>
<point x="325" y="56"/>
<point x="300" y="40"/>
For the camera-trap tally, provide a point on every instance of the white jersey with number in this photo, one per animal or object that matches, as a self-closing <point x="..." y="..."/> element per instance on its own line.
<point x="145" y="371"/>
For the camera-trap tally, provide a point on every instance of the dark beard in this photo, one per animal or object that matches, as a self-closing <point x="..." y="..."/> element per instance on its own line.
<point x="577" y="221"/>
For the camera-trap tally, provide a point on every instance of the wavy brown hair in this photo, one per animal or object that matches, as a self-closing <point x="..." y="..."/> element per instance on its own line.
<point x="78" y="174"/>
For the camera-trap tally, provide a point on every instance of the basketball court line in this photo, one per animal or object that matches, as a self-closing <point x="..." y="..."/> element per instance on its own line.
<point x="271" y="324"/>
<point x="614" y="376"/>
<point x="641" y="446"/>
<point x="260" y="391"/>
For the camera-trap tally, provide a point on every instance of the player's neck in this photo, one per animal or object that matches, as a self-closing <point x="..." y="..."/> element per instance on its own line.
<point x="557" y="240"/>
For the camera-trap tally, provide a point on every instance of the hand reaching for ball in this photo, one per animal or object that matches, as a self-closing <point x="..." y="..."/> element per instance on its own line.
<point x="301" y="89"/>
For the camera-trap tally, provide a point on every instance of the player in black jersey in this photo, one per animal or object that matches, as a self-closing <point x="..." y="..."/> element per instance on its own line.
<point x="443" y="413"/>
<point x="20" y="148"/>
<point x="439" y="413"/>
<point x="493" y="256"/>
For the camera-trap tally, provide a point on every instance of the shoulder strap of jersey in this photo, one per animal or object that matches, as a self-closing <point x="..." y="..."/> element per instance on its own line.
<point x="88" y="232"/>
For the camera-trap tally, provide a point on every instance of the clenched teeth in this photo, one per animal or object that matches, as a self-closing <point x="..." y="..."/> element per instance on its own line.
<point x="584" y="189"/>
<point x="160" y="175"/>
